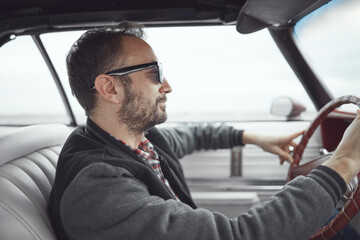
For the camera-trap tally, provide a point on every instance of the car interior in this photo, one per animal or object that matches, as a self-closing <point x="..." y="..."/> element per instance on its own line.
<point x="28" y="165"/>
<point x="29" y="149"/>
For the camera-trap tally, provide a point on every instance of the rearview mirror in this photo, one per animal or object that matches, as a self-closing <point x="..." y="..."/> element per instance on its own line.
<point x="286" y="107"/>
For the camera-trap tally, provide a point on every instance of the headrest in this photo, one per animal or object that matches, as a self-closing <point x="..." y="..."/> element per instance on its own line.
<point x="22" y="141"/>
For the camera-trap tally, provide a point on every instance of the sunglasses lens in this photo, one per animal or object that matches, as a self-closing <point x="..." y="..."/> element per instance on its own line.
<point x="161" y="76"/>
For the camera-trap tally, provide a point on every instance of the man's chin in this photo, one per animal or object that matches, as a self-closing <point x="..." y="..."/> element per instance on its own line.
<point x="161" y="117"/>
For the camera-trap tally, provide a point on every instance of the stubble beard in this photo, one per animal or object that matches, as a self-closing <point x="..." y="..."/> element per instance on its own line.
<point x="140" y="114"/>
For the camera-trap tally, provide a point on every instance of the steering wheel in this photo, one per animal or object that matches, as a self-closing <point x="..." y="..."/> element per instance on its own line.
<point x="352" y="195"/>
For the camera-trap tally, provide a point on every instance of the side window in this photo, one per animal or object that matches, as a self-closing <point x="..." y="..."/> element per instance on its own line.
<point x="58" y="51"/>
<point x="28" y="94"/>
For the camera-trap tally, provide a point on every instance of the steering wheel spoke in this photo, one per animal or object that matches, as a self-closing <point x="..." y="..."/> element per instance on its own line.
<point x="306" y="168"/>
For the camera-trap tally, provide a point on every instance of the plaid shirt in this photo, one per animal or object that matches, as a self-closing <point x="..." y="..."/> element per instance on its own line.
<point x="147" y="153"/>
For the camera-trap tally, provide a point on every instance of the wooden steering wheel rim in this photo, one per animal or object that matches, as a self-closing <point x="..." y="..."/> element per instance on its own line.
<point x="352" y="205"/>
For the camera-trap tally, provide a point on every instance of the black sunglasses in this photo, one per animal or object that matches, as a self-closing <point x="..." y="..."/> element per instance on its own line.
<point x="131" y="69"/>
<point x="136" y="68"/>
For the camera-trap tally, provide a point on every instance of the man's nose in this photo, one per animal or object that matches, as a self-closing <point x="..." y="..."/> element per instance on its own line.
<point x="165" y="87"/>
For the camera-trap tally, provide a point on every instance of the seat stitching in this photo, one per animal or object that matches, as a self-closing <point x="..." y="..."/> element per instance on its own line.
<point x="39" y="166"/>
<point x="27" y="196"/>
<point x="27" y="173"/>
<point x="20" y="167"/>
<point x="57" y="154"/>
<point x="52" y="150"/>
<point x="19" y="219"/>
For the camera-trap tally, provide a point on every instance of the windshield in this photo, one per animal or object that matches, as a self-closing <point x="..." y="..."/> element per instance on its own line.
<point x="216" y="73"/>
<point x="330" y="39"/>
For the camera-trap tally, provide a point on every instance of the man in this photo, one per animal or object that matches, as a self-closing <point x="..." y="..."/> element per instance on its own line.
<point x="119" y="177"/>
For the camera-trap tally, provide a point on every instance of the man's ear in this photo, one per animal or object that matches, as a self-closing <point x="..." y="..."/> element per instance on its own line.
<point x="108" y="88"/>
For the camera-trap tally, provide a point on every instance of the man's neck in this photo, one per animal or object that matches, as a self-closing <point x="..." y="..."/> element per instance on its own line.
<point x="119" y="131"/>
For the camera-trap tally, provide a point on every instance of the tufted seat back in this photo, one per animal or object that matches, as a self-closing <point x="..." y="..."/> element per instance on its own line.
<point x="28" y="159"/>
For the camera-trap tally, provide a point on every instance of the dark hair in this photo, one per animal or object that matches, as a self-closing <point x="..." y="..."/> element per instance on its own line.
<point x="96" y="51"/>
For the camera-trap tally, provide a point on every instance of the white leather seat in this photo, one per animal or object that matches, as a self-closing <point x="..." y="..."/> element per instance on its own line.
<point x="28" y="159"/>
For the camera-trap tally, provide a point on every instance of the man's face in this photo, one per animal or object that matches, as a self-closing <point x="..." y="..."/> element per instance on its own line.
<point x="144" y="104"/>
<point x="140" y="113"/>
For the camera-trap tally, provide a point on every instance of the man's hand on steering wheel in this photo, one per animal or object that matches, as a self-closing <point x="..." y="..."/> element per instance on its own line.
<point x="346" y="158"/>
<point x="279" y="145"/>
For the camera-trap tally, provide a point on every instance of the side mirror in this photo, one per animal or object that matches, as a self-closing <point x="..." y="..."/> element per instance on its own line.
<point x="286" y="107"/>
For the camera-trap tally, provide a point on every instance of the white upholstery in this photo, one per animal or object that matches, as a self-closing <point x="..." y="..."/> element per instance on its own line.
<point x="28" y="158"/>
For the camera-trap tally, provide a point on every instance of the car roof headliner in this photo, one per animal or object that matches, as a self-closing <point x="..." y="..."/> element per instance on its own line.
<point x="154" y="12"/>
<point x="18" y="17"/>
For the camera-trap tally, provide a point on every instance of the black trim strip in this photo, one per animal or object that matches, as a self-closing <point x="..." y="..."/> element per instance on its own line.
<point x="284" y="39"/>
<point x="56" y="78"/>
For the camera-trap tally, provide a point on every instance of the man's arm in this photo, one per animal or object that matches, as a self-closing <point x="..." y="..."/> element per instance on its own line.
<point x="184" y="139"/>
<point x="107" y="202"/>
